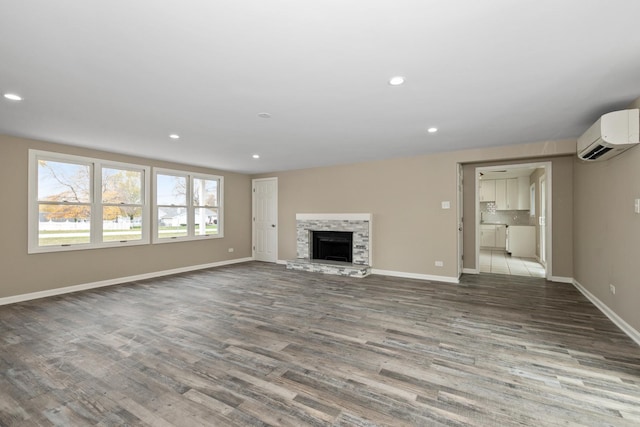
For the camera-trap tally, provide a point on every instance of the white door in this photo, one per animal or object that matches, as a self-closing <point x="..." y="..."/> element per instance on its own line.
<point x="460" y="231"/>
<point x="265" y="219"/>
<point x="542" y="220"/>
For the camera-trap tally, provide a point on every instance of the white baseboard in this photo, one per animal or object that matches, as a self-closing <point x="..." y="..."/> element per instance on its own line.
<point x="561" y="279"/>
<point x="405" y="275"/>
<point x="281" y="261"/>
<point x="116" y="281"/>
<point x="620" y="323"/>
<point x="470" y="271"/>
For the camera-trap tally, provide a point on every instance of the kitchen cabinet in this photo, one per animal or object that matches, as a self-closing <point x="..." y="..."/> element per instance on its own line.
<point x="509" y="194"/>
<point x="501" y="194"/>
<point x="487" y="190"/>
<point x="488" y="235"/>
<point x="506" y="194"/>
<point x="501" y="236"/>
<point x="512" y="194"/>
<point x="493" y="236"/>
<point x="523" y="193"/>
<point x="522" y="241"/>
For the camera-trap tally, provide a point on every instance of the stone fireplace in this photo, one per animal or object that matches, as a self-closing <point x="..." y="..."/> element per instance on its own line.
<point x="348" y="236"/>
<point x="331" y="246"/>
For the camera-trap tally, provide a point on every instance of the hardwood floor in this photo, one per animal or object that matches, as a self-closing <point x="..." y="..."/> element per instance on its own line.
<point x="255" y="344"/>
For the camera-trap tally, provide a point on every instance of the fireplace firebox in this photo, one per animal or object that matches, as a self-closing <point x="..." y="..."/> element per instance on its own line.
<point x="332" y="245"/>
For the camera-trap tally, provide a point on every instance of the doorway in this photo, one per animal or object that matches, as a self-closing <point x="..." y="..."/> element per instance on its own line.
<point x="265" y="219"/>
<point x="508" y="224"/>
<point x="459" y="215"/>
<point x="542" y="219"/>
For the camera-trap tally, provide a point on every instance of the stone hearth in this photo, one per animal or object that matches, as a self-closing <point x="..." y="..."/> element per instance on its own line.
<point x="359" y="224"/>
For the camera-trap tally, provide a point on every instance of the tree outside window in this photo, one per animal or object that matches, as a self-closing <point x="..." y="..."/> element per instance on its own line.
<point x="187" y="205"/>
<point x="81" y="201"/>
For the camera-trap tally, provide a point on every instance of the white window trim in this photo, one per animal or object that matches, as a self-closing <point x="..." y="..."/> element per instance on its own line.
<point x="190" y="207"/>
<point x="96" y="203"/>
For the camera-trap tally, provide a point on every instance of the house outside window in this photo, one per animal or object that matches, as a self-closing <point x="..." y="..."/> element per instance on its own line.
<point x="84" y="203"/>
<point x="188" y="206"/>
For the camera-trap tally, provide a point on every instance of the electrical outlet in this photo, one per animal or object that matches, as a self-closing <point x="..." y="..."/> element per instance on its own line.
<point x="439" y="263"/>
<point x="230" y="249"/>
<point x="612" y="289"/>
<point x="636" y="206"/>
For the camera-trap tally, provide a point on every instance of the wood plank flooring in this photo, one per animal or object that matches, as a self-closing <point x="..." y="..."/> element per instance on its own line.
<point x="256" y="344"/>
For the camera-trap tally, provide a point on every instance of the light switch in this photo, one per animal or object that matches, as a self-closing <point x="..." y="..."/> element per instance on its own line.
<point x="637" y="206"/>
<point x="446" y="205"/>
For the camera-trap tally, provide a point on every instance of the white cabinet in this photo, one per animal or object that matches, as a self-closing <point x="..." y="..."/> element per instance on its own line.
<point x="493" y="236"/>
<point x="501" y="236"/>
<point x="488" y="236"/>
<point x="523" y="193"/>
<point x="512" y="194"/>
<point x="522" y="240"/>
<point x="501" y="194"/>
<point x="487" y="190"/>
<point x="507" y="194"/>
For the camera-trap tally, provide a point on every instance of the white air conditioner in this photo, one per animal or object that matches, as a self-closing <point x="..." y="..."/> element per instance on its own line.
<point x="612" y="134"/>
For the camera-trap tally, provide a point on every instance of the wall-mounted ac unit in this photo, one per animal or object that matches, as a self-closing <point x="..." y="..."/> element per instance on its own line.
<point x="612" y="134"/>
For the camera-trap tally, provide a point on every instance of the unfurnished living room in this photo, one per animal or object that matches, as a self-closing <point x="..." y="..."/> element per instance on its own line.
<point x="294" y="213"/>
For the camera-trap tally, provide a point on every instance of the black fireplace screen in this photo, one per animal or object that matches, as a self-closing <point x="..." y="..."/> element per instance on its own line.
<point x="332" y="245"/>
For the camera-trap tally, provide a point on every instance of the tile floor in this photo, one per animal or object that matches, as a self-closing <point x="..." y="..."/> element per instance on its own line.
<point x="499" y="262"/>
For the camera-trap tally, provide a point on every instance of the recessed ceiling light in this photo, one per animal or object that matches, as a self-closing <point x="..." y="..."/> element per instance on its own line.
<point x="256" y="156"/>
<point x="13" y="96"/>
<point x="264" y="115"/>
<point x="396" y="81"/>
<point x="432" y="130"/>
<point x="174" y="136"/>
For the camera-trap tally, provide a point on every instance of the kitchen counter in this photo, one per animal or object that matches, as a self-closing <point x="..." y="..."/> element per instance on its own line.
<point x="521" y="240"/>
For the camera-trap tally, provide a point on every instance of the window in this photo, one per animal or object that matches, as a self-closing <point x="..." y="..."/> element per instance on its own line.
<point x="122" y="206"/>
<point x="171" y="205"/>
<point x="188" y="205"/>
<point x="83" y="203"/>
<point x="532" y="200"/>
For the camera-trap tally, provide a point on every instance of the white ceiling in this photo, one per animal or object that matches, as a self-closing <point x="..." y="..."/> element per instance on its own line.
<point x="122" y="75"/>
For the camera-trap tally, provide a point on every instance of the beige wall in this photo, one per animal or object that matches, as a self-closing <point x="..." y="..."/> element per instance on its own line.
<point x="410" y="229"/>
<point x="594" y="223"/>
<point x="607" y="231"/>
<point x="561" y="204"/>
<point x="23" y="273"/>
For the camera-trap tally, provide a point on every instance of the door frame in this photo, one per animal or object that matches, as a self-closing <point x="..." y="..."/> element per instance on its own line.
<point x="549" y="220"/>
<point x="460" y="220"/>
<point x="542" y="256"/>
<point x="253" y="216"/>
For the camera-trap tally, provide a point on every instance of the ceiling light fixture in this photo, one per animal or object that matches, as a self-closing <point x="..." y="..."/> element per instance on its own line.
<point x="396" y="81"/>
<point x="13" y="97"/>
<point x="174" y="136"/>
<point x="264" y="115"/>
<point x="256" y="156"/>
<point x="432" y="130"/>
